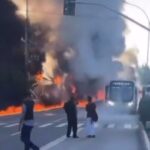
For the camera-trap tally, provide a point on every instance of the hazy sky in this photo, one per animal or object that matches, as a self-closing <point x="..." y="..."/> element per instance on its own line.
<point x="138" y="37"/>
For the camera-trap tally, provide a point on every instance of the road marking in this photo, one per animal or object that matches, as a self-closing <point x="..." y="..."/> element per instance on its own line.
<point x="1" y="124"/>
<point x="58" y="120"/>
<point x="80" y="124"/>
<point x="45" y="125"/>
<point x="49" y="114"/>
<point x="128" y="126"/>
<point x="56" y="142"/>
<point x="61" y="125"/>
<point x="12" y="125"/>
<point x="111" y="126"/>
<point x="16" y="133"/>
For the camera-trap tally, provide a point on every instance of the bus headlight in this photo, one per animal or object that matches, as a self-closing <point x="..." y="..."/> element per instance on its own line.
<point x="130" y="104"/>
<point x="111" y="103"/>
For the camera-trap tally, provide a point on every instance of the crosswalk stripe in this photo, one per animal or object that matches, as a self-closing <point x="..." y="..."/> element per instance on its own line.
<point x="127" y="126"/>
<point x="80" y="124"/>
<point x="61" y="125"/>
<point x="1" y="124"/>
<point x="49" y="114"/>
<point x="16" y="133"/>
<point x="111" y="126"/>
<point x="45" y="125"/>
<point x="12" y="125"/>
<point x="58" y="120"/>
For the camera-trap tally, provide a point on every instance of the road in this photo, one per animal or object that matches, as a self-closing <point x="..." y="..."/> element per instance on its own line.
<point x="115" y="129"/>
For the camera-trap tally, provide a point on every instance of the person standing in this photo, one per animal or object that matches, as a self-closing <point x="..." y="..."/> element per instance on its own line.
<point x="92" y="118"/>
<point x="71" y="112"/>
<point x="27" y="123"/>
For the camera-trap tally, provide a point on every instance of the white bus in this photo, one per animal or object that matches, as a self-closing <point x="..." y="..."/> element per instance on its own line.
<point x="122" y="94"/>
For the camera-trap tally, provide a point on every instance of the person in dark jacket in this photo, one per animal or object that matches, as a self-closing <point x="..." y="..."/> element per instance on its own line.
<point x="27" y="123"/>
<point x="92" y="117"/>
<point x="144" y="111"/>
<point x="71" y="111"/>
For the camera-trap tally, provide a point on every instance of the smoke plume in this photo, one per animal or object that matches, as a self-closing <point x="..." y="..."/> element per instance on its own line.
<point x="82" y="47"/>
<point x="12" y="69"/>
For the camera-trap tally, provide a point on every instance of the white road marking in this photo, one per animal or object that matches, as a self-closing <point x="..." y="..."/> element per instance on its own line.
<point x="128" y="126"/>
<point x="45" y="125"/>
<point x="111" y="126"/>
<point x="56" y="142"/>
<point x="61" y="125"/>
<point x="49" y="114"/>
<point x="12" y="125"/>
<point x="80" y="124"/>
<point x="58" y="120"/>
<point x="16" y="133"/>
<point x="1" y="124"/>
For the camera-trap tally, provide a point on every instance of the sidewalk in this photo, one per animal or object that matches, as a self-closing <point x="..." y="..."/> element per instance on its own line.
<point x="113" y="133"/>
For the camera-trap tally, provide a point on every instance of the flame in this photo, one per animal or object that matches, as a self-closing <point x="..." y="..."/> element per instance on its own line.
<point x="39" y="76"/>
<point x="101" y="95"/>
<point x="58" y="80"/>
<point x="13" y="110"/>
<point x="82" y="103"/>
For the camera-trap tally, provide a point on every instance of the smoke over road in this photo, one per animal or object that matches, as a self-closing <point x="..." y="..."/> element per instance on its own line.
<point x="80" y="47"/>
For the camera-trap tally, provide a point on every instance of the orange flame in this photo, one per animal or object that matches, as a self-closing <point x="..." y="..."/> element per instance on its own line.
<point x="39" y="76"/>
<point x="58" y="80"/>
<point x="101" y="95"/>
<point x="13" y="110"/>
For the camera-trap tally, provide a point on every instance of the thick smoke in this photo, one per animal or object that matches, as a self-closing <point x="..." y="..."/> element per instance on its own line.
<point x="95" y="35"/>
<point x="82" y="46"/>
<point x="12" y="69"/>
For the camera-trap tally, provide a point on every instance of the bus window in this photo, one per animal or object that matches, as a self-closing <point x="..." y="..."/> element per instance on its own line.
<point x="121" y="91"/>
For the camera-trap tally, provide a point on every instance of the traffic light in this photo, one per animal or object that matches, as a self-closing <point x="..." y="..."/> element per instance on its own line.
<point x="69" y="7"/>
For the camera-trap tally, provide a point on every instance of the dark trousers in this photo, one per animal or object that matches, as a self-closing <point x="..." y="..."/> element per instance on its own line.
<point x="72" y="125"/>
<point x="25" y="138"/>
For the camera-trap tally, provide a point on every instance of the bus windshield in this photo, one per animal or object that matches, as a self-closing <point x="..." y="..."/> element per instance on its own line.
<point x="121" y="91"/>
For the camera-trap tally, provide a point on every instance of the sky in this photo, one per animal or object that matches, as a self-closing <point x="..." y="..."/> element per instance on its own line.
<point x="136" y="37"/>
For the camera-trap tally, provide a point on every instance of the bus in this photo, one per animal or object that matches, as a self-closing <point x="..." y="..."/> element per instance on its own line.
<point x="122" y="93"/>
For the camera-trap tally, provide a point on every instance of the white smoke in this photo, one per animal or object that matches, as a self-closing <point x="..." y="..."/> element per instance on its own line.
<point x="96" y="34"/>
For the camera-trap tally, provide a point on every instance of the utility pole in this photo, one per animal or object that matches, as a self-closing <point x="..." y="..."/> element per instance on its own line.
<point x="26" y="53"/>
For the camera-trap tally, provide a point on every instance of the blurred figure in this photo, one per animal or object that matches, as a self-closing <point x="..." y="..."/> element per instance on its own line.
<point x="144" y="110"/>
<point x="92" y="118"/>
<point x="27" y="123"/>
<point x="71" y="111"/>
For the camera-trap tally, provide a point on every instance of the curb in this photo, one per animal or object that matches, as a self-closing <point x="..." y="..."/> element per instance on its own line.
<point x="145" y="137"/>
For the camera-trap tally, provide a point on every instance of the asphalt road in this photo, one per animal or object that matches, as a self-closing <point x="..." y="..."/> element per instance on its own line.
<point x="116" y="130"/>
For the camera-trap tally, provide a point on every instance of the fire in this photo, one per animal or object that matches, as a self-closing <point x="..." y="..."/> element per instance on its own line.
<point x="101" y="95"/>
<point x="58" y="80"/>
<point x="82" y="103"/>
<point x="13" y="110"/>
<point x="39" y="76"/>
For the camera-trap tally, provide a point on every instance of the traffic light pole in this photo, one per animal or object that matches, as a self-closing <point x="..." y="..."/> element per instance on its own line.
<point x="26" y="53"/>
<point x="148" y="19"/>
<point x="114" y="11"/>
